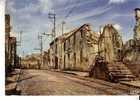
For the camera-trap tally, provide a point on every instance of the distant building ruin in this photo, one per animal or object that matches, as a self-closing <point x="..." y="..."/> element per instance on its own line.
<point x="31" y="62"/>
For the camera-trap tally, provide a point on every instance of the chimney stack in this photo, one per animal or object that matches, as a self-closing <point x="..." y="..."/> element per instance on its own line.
<point x="137" y="14"/>
<point x="7" y="25"/>
<point x="137" y="26"/>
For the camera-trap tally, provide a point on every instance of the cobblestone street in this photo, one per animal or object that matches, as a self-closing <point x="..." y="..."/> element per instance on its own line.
<point x="43" y="82"/>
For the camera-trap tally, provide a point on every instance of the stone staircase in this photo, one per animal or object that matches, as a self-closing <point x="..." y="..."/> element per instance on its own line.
<point x="120" y="72"/>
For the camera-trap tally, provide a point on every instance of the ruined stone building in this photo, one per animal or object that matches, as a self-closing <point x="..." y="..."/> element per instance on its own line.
<point x="10" y="46"/>
<point x="75" y="50"/>
<point x="108" y="65"/>
<point x="131" y="49"/>
<point x="132" y="46"/>
<point x="85" y="50"/>
<point x="53" y="63"/>
<point x="110" y="44"/>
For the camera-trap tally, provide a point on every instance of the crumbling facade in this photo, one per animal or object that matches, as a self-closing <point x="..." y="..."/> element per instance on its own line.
<point x="110" y="44"/>
<point x="108" y="64"/>
<point x="10" y="46"/>
<point x="103" y="55"/>
<point x="131" y="49"/>
<point x="75" y="50"/>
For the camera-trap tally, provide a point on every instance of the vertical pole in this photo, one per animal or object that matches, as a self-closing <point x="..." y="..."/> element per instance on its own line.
<point x="54" y="26"/>
<point x="20" y="42"/>
<point x="63" y="27"/>
<point x="54" y="41"/>
<point x="61" y="43"/>
<point x="20" y="37"/>
<point x="41" y="48"/>
<point x="53" y="16"/>
<point x="99" y="41"/>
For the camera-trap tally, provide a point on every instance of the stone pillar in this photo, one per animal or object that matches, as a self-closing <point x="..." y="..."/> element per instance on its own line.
<point x="137" y="26"/>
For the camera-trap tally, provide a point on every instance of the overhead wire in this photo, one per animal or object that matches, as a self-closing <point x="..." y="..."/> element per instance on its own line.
<point x="71" y="10"/>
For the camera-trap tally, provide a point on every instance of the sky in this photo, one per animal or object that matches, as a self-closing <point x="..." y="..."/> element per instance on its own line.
<point x="31" y="17"/>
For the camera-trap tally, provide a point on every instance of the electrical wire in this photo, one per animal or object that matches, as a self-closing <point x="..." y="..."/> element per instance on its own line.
<point x="72" y="9"/>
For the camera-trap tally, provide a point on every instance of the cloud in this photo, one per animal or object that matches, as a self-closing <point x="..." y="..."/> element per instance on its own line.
<point x="10" y="6"/>
<point x="117" y="1"/>
<point x="72" y="4"/>
<point x="117" y="26"/>
<point x="94" y="12"/>
<point x="42" y="5"/>
<point x="32" y="17"/>
<point x="45" y="5"/>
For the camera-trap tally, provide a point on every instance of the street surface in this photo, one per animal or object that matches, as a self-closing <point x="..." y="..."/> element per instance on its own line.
<point x="43" y="82"/>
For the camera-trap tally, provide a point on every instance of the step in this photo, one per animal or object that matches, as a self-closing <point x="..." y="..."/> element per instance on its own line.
<point x="119" y="70"/>
<point x="135" y="83"/>
<point x="126" y="79"/>
<point x="122" y="75"/>
<point x="115" y="67"/>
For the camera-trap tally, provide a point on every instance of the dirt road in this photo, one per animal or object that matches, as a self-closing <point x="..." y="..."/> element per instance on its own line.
<point x="43" y="82"/>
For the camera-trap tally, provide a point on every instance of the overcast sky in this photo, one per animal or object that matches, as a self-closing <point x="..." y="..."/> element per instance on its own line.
<point x="31" y="17"/>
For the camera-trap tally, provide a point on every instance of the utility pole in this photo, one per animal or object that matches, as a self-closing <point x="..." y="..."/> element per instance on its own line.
<point x="47" y="34"/>
<point x="18" y="44"/>
<point x="40" y="38"/>
<point x="23" y="53"/>
<point x="53" y="16"/>
<point x="20" y="38"/>
<point x="63" y="22"/>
